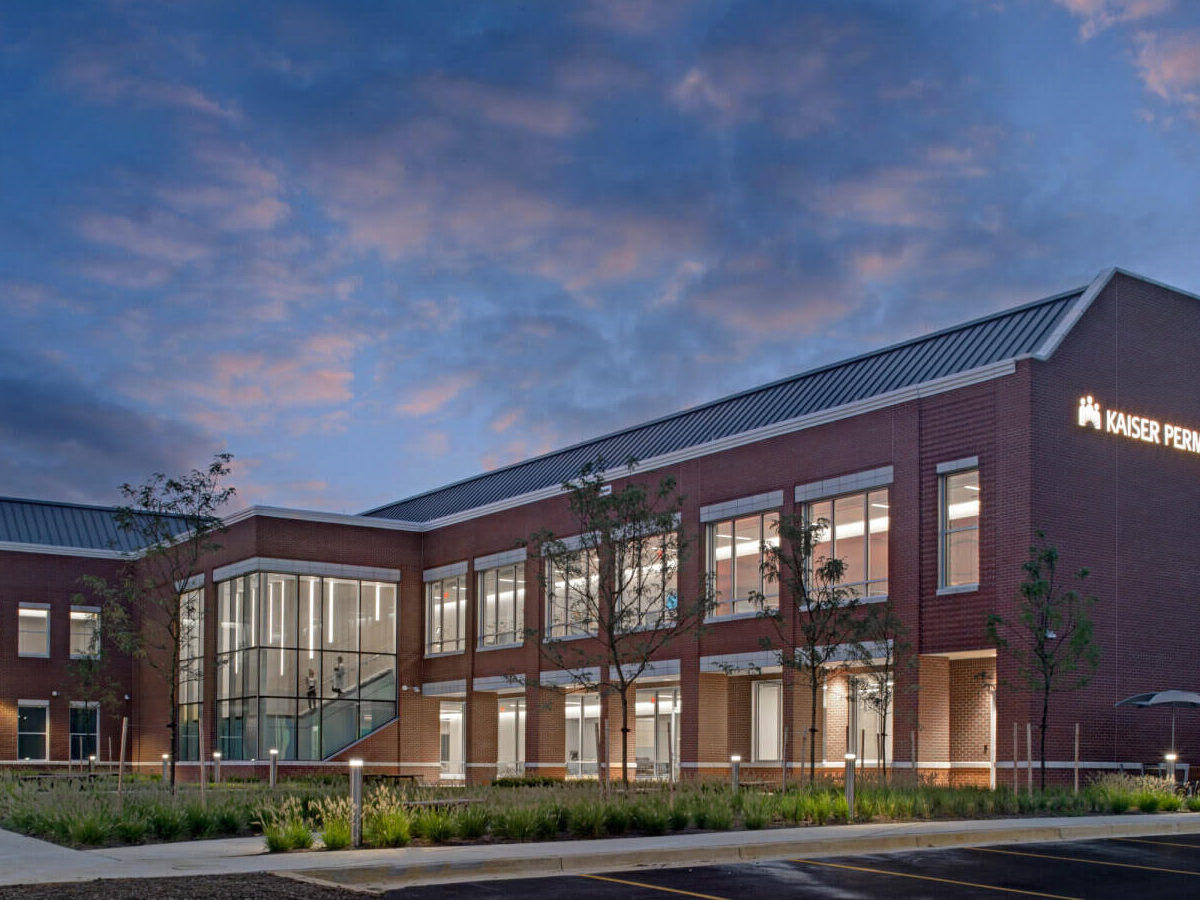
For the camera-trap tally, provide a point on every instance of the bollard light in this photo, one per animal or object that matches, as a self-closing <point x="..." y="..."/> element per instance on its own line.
<point x="216" y="767"/>
<point x="850" y="757"/>
<point x="1170" y="758"/>
<point x="91" y="763"/>
<point x="356" y="788"/>
<point x="166" y="767"/>
<point x="735" y="771"/>
<point x="274" y="767"/>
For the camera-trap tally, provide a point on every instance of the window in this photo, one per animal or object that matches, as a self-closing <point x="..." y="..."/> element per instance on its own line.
<point x="735" y="558"/>
<point x="571" y="589"/>
<point x="33" y="630"/>
<point x="502" y="605"/>
<point x="857" y="534"/>
<point x="648" y="568"/>
<point x="958" y="522"/>
<point x="33" y="723"/>
<point x="768" y="720"/>
<point x="510" y="737"/>
<point x="453" y="737"/>
<point x="869" y="712"/>
<point x="85" y="632"/>
<point x="191" y="672"/>
<point x="85" y="730"/>
<point x="656" y="732"/>
<point x="583" y="733"/>
<point x="445" y="615"/>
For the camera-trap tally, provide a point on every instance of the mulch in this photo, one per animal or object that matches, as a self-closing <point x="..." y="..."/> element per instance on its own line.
<point x="211" y="887"/>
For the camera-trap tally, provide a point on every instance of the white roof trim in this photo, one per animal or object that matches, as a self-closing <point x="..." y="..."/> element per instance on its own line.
<point x="1078" y="308"/>
<point x="53" y="550"/>
<point x="303" y="567"/>
<point x="310" y="515"/>
<point x="822" y="417"/>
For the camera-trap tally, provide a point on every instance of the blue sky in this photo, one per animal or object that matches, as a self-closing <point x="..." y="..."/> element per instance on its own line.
<point x="371" y="248"/>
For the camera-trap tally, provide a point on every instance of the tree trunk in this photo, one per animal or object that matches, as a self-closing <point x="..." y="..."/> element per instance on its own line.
<point x="625" y="739"/>
<point x="1042" y="739"/>
<point x="812" y="730"/>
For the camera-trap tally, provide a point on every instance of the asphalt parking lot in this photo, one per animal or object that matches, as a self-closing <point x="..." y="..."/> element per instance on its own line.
<point x="1116" y="868"/>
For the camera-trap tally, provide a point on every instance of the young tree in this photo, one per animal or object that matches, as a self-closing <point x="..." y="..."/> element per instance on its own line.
<point x="149" y="612"/>
<point x="617" y="582"/>
<point x="824" y="627"/>
<point x="882" y="649"/>
<point x="1051" y="637"/>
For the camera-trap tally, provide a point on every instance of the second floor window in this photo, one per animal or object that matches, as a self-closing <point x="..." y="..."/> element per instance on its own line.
<point x="85" y="633"/>
<point x="856" y="532"/>
<point x="33" y="631"/>
<point x="647" y="573"/>
<point x="735" y="563"/>
<point x="958" y="521"/>
<point x="502" y="605"/>
<point x="572" y="594"/>
<point x="445" y="615"/>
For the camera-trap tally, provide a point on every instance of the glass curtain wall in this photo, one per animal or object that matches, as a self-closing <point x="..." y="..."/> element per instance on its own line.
<point x="191" y="672"/>
<point x="657" y="733"/>
<point x="306" y="665"/>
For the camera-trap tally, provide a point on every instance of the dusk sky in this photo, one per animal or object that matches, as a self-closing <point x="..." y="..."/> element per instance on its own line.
<point x="372" y="248"/>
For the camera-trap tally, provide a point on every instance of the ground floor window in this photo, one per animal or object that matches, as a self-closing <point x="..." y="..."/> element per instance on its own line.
<point x="510" y="737"/>
<point x="583" y="734"/>
<point x="767" y="719"/>
<point x="85" y="730"/>
<point x="453" y="744"/>
<point x="657" y="733"/>
<point x="33" y="729"/>
<point x="870" y="719"/>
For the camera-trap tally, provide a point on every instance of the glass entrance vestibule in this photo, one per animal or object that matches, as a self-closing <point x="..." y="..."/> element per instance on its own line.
<point x="305" y="664"/>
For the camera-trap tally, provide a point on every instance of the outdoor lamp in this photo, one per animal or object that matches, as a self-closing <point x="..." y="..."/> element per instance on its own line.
<point x="356" y="786"/>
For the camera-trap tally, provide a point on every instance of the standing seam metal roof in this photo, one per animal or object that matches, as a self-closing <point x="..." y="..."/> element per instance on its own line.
<point x="1002" y="336"/>
<point x="73" y="525"/>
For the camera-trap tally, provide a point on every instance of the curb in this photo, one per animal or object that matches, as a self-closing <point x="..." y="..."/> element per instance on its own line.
<point x="388" y="876"/>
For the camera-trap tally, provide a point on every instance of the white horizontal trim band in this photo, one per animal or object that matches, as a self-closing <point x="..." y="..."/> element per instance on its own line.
<point x="52" y="550"/>
<point x="742" y="507"/>
<point x="453" y="570"/>
<point x="504" y="558"/>
<point x="303" y="567"/>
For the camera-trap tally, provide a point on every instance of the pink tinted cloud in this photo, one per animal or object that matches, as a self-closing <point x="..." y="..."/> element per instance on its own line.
<point x="159" y="236"/>
<point x="1170" y="64"/>
<point x="898" y="197"/>
<point x="433" y="397"/>
<point x="1098" y="15"/>
<point x="102" y="80"/>
<point x="543" y="116"/>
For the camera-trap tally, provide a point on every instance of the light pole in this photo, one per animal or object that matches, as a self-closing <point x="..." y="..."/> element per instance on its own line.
<point x="274" y="767"/>
<point x="735" y="771"/>
<point x="216" y="767"/>
<point x="356" y="788"/>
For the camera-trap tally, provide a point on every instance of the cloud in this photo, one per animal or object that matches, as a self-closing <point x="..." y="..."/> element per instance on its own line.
<point x="103" y="80"/>
<point x="432" y="398"/>
<point x="1098" y="15"/>
<point x="1170" y="65"/>
<point x="543" y="116"/>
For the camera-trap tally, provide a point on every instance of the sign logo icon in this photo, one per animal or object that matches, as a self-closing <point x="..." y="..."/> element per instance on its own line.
<point x="1089" y="412"/>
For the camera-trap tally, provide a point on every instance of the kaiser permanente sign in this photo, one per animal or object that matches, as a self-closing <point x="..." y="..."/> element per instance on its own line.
<point x="1137" y="428"/>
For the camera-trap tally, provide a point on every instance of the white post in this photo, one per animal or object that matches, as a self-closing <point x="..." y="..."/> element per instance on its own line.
<point x="274" y="767"/>
<point x="735" y="769"/>
<point x="166" y="769"/>
<point x="356" y="802"/>
<point x="216" y="767"/>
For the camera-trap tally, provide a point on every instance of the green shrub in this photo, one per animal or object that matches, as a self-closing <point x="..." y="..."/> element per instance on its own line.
<point x="435" y="825"/>
<point x="473" y="822"/>
<point x="285" y="826"/>
<point x="720" y="816"/>
<point x="167" y="823"/>
<point x="1147" y="801"/>
<point x="336" y="835"/>
<point x="131" y="828"/>
<point x="820" y="807"/>
<point x="200" y="822"/>
<point x="586" y="819"/>
<point x="527" y="781"/>
<point x="1170" y="803"/>
<point x="229" y="820"/>
<point x="756" y="813"/>
<point x="387" y="828"/>
<point x="518" y="823"/>
<point x="1193" y="804"/>
<point x="678" y="816"/>
<point x="616" y="817"/>
<point x="89" y="829"/>
<point x="650" y="817"/>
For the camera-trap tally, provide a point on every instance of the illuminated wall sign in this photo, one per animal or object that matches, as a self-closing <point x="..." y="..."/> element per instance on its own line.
<point x="1136" y="428"/>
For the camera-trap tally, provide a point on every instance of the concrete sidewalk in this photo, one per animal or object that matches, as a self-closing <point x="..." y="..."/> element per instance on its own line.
<point x="27" y="861"/>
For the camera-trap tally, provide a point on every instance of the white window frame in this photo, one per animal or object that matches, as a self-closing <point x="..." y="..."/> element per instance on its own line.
<point x="756" y="720"/>
<point x="652" y="611"/>
<point x="439" y="646"/>
<point x="34" y="704"/>
<point x="947" y="471"/>
<point x="561" y="623"/>
<point x="739" y="597"/>
<point x="40" y="610"/>
<point x="77" y="614"/>
<point x="862" y="587"/>
<point x="490" y="636"/>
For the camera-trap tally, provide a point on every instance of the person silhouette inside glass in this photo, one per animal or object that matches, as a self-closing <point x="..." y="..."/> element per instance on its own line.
<point x="310" y="682"/>
<point x="339" y="676"/>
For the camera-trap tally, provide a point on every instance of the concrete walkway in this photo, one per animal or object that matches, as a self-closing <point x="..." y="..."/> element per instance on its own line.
<point x="27" y="861"/>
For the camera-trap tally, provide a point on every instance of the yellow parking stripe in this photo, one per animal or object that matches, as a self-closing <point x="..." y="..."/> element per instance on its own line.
<point x="654" y="887"/>
<point x="970" y="884"/>
<point x="1094" y="862"/>
<point x="1159" y="843"/>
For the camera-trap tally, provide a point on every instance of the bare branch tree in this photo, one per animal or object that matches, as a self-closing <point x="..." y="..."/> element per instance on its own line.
<point x="883" y="650"/>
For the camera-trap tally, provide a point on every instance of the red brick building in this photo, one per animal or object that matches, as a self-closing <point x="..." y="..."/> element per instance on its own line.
<point x="412" y="635"/>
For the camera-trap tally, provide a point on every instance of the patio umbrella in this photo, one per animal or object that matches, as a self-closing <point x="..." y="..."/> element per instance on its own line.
<point x="1173" y="699"/>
